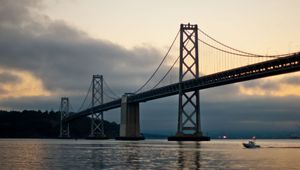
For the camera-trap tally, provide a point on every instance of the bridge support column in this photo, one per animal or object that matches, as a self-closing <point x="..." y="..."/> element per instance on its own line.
<point x="64" y="113"/>
<point x="130" y="121"/>
<point x="97" y="121"/>
<point x="189" y="124"/>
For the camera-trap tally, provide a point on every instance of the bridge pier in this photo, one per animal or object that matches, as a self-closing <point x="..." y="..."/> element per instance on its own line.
<point x="130" y="120"/>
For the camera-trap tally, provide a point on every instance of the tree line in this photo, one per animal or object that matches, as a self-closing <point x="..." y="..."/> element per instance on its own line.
<point x="38" y="124"/>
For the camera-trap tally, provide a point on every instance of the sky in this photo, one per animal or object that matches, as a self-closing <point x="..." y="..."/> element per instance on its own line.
<point x="51" y="48"/>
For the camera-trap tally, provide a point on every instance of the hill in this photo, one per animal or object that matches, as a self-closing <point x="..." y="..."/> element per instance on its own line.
<point x="38" y="124"/>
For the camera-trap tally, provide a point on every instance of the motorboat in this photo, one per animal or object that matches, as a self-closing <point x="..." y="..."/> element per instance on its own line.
<point x="251" y="144"/>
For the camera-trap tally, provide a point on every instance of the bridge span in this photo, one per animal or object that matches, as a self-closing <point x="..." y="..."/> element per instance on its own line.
<point x="189" y="124"/>
<point x="255" y="71"/>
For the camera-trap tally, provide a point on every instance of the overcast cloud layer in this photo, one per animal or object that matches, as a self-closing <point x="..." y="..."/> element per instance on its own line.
<point x="64" y="58"/>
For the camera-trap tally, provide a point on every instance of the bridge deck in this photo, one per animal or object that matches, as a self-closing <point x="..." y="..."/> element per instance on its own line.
<point x="259" y="70"/>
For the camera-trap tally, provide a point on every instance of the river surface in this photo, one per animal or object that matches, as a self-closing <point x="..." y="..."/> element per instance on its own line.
<point x="149" y="154"/>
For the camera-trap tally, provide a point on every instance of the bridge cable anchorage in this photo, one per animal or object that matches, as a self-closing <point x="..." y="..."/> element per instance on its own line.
<point x="243" y="53"/>
<point x="87" y="94"/>
<point x="138" y="90"/>
<point x="110" y="90"/>
<point x="169" y="69"/>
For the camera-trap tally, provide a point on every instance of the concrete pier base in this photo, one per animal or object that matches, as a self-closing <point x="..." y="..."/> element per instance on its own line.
<point x="130" y="121"/>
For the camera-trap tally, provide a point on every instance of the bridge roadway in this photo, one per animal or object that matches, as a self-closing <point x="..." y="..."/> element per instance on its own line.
<point x="259" y="70"/>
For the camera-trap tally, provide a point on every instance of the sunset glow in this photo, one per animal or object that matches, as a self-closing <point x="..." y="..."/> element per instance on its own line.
<point x="27" y="85"/>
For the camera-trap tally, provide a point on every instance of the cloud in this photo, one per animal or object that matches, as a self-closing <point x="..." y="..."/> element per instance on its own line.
<point x="279" y="86"/>
<point x="293" y="80"/>
<point x="56" y="59"/>
<point x="16" y="11"/>
<point x="7" y="77"/>
<point x="257" y="114"/>
<point x="63" y="57"/>
<point x="15" y="84"/>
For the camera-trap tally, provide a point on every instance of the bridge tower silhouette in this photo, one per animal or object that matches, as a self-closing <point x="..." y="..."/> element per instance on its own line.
<point x="189" y="124"/>
<point x="64" y="113"/>
<point x="97" y="122"/>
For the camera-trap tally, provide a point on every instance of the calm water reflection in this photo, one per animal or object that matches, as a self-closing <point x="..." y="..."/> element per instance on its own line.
<point x="149" y="154"/>
<point x="189" y="159"/>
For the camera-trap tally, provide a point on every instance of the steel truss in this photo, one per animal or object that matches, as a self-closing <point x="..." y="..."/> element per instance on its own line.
<point x="189" y="102"/>
<point x="64" y="113"/>
<point x="97" y="122"/>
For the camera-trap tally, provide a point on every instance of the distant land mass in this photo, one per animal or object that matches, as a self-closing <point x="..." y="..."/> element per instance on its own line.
<point x="46" y="124"/>
<point x="38" y="124"/>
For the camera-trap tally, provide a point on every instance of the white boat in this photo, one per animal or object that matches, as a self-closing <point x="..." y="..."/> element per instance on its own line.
<point x="251" y="144"/>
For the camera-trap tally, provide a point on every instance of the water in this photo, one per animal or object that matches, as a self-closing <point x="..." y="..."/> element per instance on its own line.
<point x="148" y="154"/>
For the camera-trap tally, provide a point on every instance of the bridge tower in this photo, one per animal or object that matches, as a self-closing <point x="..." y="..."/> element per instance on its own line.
<point x="64" y="113"/>
<point x="189" y="124"/>
<point x="97" y="121"/>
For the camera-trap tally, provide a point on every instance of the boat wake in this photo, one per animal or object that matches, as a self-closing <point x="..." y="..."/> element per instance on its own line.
<point x="282" y="147"/>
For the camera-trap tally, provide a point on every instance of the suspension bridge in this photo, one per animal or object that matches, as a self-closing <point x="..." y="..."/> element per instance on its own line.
<point x="219" y="65"/>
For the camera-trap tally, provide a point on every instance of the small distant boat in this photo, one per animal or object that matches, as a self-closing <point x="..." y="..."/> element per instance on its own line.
<point x="251" y="144"/>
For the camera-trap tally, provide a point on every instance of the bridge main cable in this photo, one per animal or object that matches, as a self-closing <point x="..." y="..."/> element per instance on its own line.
<point x="167" y="73"/>
<point x="110" y="90"/>
<point x="138" y="90"/>
<point x="241" y="53"/>
<point x="87" y="94"/>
